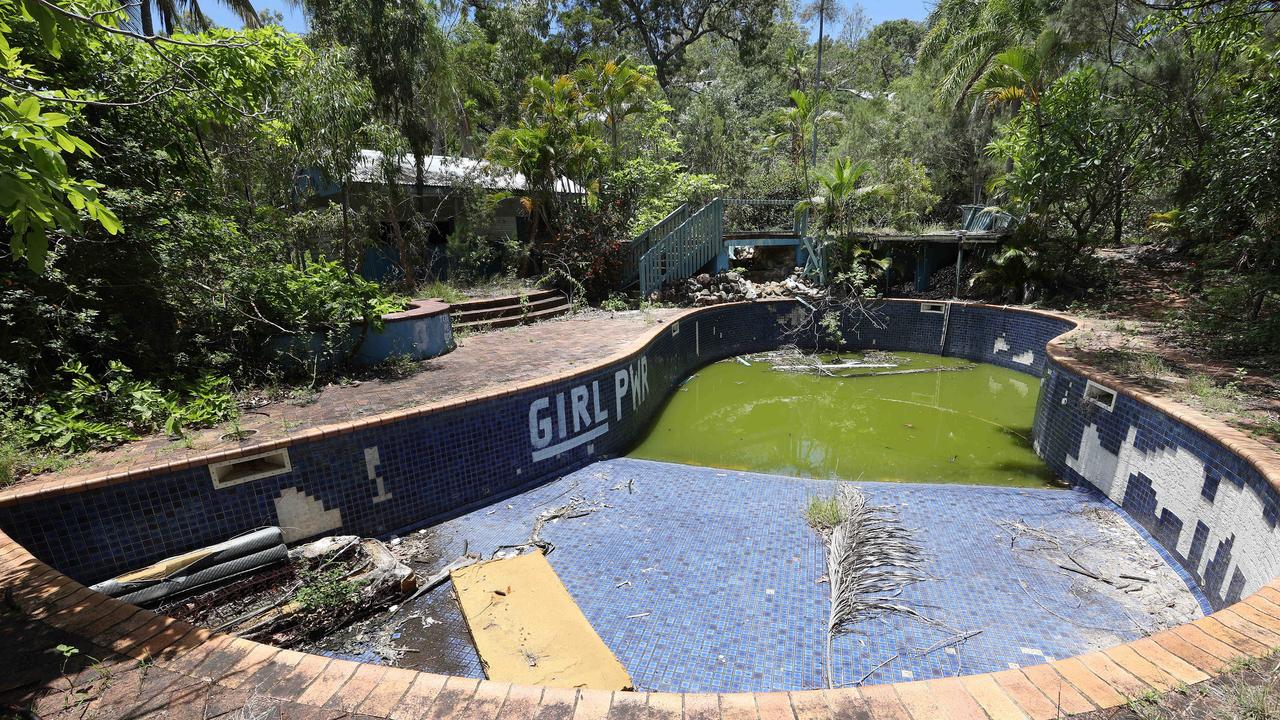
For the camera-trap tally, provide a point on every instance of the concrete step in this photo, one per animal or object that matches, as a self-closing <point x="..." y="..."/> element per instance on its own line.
<point x="502" y="300"/>
<point x="511" y="308"/>
<point x="516" y="319"/>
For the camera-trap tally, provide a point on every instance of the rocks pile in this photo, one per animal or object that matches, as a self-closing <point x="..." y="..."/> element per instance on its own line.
<point x="794" y="286"/>
<point x="727" y="287"/>
<point x="706" y="289"/>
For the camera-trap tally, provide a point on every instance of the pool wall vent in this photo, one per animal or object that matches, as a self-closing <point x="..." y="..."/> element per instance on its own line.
<point x="253" y="467"/>
<point x="933" y="307"/>
<point x="1100" y="395"/>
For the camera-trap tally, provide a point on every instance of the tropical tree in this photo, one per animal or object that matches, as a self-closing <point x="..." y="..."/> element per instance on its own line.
<point x="965" y="37"/>
<point x="175" y="15"/>
<point x="667" y="28"/>
<point x="618" y="89"/>
<point x="328" y="113"/>
<point x="794" y="126"/>
<point x="550" y="144"/>
<point x="1015" y="76"/>
<point x="840" y="203"/>
<point x="82" y="56"/>
<point x="403" y="52"/>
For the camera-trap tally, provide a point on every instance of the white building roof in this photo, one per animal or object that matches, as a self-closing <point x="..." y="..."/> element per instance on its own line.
<point x="446" y="171"/>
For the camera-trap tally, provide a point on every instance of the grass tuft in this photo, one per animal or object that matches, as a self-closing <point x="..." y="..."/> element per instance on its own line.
<point x="823" y="513"/>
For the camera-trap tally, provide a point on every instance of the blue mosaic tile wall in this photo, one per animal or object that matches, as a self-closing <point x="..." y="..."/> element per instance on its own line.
<point x="441" y="465"/>
<point x="1212" y="512"/>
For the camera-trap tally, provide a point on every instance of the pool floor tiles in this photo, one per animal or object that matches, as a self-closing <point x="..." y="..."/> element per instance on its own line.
<point x="709" y="580"/>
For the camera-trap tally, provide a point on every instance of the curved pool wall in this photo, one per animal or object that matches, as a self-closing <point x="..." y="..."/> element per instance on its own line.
<point x="1211" y="509"/>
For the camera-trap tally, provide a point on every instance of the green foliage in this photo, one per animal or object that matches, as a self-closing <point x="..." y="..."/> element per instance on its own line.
<point x="442" y="290"/>
<point x="653" y="181"/>
<point x="93" y="412"/>
<point x="905" y="198"/>
<point x="667" y="28"/>
<point x="887" y="53"/>
<point x="1070" y="158"/>
<point x="326" y="590"/>
<point x="38" y="194"/>
<point x="843" y="202"/>
<point x="320" y="295"/>
<point x="616" y="302"/>
<point x="965" y="37"/>
<point x="823" y="513"/>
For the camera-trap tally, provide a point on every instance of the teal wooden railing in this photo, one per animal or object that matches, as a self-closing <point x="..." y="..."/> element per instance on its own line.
<point x="684" y="250"/>
<point x="681" y="244"/>
<point x="640" y="244"/>
<point x="744" y="216"/>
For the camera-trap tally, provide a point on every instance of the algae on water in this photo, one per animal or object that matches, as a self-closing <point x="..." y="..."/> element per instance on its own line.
<point x="965" y="423"/>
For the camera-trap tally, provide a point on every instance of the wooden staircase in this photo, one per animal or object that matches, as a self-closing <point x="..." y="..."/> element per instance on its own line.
<point x="683" y="243"/>
<point x="508" y="311"/>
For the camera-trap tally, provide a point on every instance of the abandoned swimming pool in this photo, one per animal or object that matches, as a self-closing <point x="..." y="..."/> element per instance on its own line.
<point x="710" y="579"/>
<point x="1205" y="494"/>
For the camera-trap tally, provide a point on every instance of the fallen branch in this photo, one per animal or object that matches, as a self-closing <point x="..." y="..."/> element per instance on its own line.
<point x="873" y="670"/>
<point x="1023" y="585"/>
<point x="948" y="642"/>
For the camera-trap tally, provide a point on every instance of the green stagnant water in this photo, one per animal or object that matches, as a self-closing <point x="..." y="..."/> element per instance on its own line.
<point x="970" y="424"/>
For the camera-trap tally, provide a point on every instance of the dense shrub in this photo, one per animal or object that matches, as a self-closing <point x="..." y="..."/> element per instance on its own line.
<point x="93" y="412"/>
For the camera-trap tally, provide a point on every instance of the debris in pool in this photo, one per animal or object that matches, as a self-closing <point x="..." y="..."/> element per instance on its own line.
<point x="577" y="507"/>
<point x="184" y="573"/>
<point x="1113" y="563"/>
<point x="871" y="557"/>
<point x="639" y="615"/>
<point x="325" y="585"/>
<point x="533" y="617"/>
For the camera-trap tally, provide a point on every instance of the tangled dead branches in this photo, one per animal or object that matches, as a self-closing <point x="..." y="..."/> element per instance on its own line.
<point x="577" y="506"/>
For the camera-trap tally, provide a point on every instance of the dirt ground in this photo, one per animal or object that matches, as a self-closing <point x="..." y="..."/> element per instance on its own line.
<point x="1135" y="334"/>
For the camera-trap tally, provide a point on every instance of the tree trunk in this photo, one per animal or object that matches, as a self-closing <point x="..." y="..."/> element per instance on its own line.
<point x="406" y="263"/>
<point x="1255" y="312"/>
<point x="144" y="14"/>
<point x="346" y="230"/>
<point x="1117" y="236"/>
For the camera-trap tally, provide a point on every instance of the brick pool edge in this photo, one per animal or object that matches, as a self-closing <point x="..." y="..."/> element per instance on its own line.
<point x="1185" y="654"/>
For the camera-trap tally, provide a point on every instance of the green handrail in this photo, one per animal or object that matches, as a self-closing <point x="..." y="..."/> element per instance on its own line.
<point x="684" y="250"/>
<point x="641" y="243"/>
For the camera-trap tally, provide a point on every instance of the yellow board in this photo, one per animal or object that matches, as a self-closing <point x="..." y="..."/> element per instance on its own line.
<point x="528" y="629"/>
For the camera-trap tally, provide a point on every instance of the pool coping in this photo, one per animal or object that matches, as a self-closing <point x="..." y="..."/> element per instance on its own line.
<point x="1166" y="660"/>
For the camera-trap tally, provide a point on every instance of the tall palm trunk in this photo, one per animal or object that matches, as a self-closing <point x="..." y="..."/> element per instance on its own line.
<point x="144" y="14"/>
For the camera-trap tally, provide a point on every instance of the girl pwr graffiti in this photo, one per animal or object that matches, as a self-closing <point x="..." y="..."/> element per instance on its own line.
<point x="565" y="420"/>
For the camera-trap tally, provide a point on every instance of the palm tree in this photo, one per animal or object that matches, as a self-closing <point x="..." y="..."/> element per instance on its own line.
<point x="795" y="124"/>
<point x="1020" y="74"/>
<point x="966" y="36"/>
<point x="618" y="89"/>
<point x="836" y="209"/>
<point x="175" y="15"/>
<point x="548" y="145"/>
<point x="840" y="192"/>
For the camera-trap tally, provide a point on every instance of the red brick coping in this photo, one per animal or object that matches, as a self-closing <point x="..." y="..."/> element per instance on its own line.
<point x="418" y="309"/>
<point x="1167" y="660"/>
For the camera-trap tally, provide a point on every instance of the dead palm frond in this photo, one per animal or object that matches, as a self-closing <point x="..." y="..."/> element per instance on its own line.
<point x="871" y="557"/>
